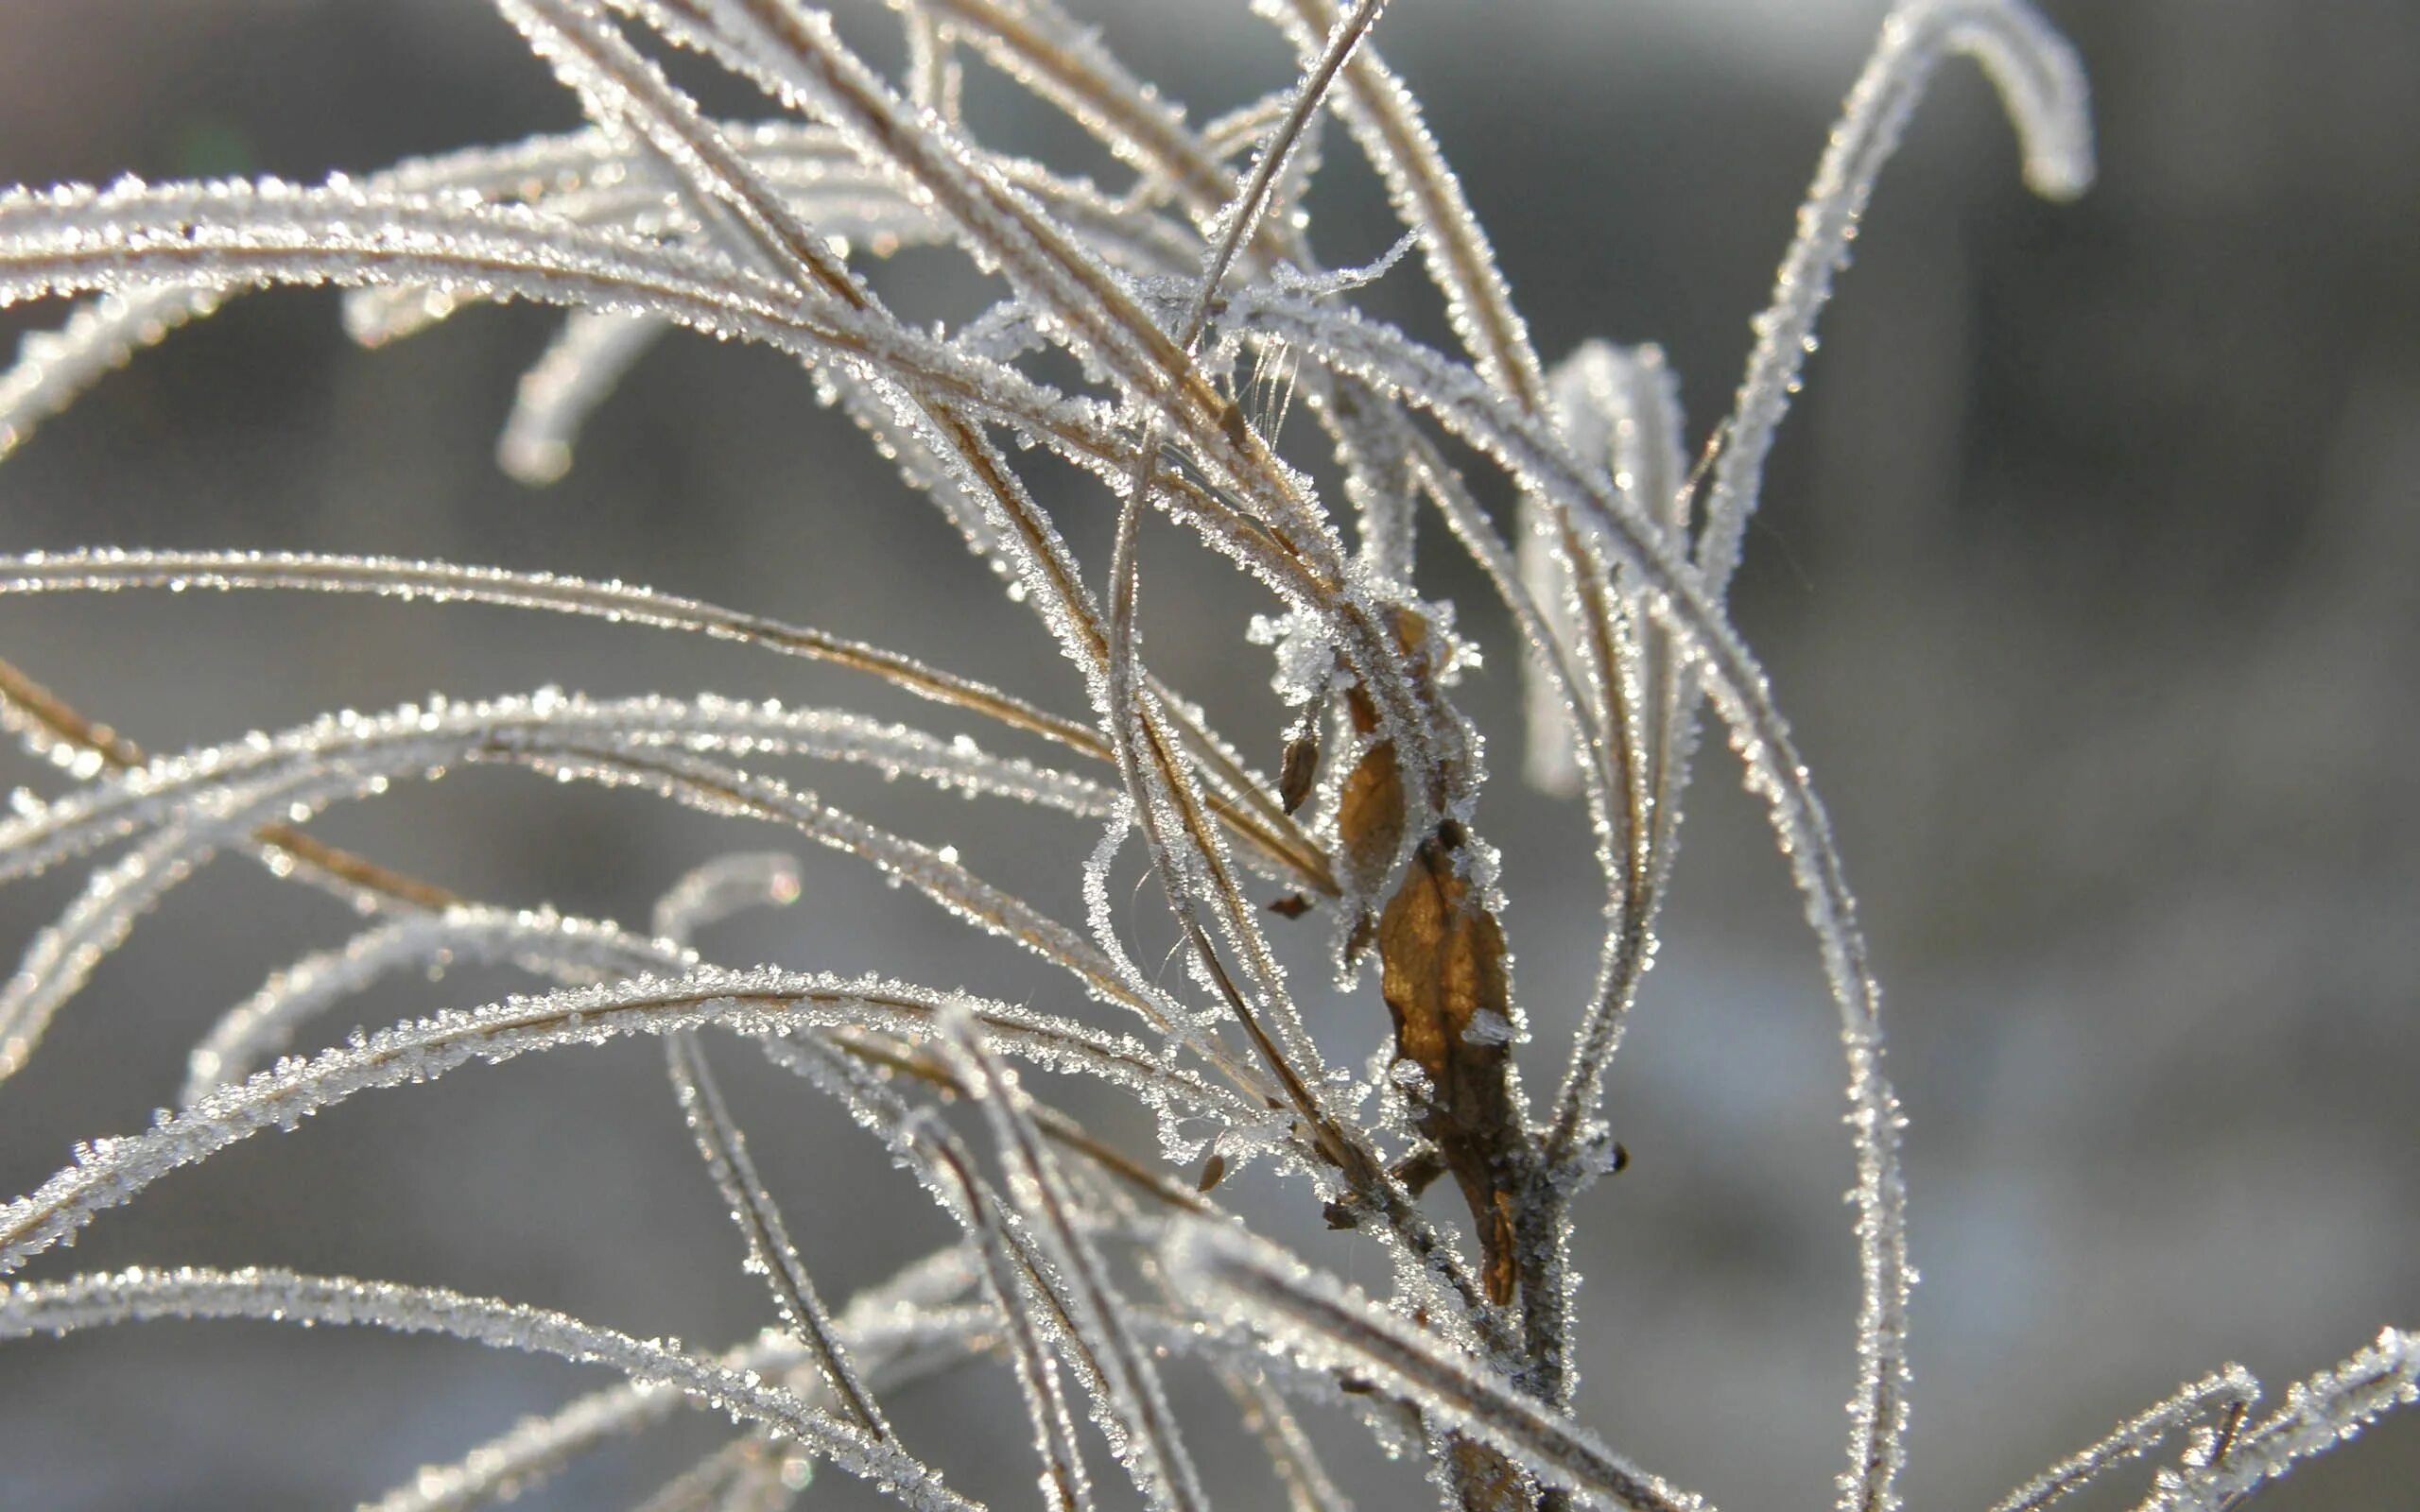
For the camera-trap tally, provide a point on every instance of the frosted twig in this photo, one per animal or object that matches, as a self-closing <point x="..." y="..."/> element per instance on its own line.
<point x="1281" y="538"/>
<point x="899" y="1329"/>
<point x="589" y="357"/>
<point x="934" y="76"/>
<point x="440" y="582"/>
<point x="770" y="1251"/>
<point x="1239" y="803"/>
<point x="1187" y="855"/>
<point x="499" y="253"/>
<point x="137" y="1295"/>
<point x="1142" y="1430"/>
<point x="2229" y="1391"/>
<point x="704" y="895"/>
<point x="1773" y="772"/>
<point x="1183" y="853"/>
<point x="2317" y="1415"/>
<point x="2042" y="85"/>
<point x="539" y="941"/>
<point x="1041" y="47"/>
<point x="110" y="1172"/>
<point x="1012" y="1273"/>
<point x="1621" y="408"/>
<point x="62" y="956"/>
<point x="1597" y="666"/>
<point x="1386" y="121"/>
<point x="1038" y="45"/>
<point x="226" y="237"/>
<point x="50" y="728"/>
<point x="775" y="48"/>
<point x="547" y="723"/>
<point x="796" y="56"/>
<point x="54" y="366"/>
<point x="618" y="85"/>
<point x="212" y="799"/>
<point x="1310" y="1318"/>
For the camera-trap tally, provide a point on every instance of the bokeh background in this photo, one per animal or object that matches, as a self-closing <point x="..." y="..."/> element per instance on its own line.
<point x="2085" y="573"/>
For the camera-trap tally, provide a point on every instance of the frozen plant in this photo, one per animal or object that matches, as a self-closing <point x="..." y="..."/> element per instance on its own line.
<point x="1192" y="306"/>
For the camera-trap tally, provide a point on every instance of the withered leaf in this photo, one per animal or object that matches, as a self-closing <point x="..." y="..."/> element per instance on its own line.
<point x="1300" y="765"/>
<point x="1370" y="820"/>
<point x="1442" y="965"/>
<point x="1372" y="816"/>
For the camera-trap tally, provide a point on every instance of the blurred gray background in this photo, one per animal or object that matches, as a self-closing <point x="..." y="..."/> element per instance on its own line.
<point x="2084" y="572"/>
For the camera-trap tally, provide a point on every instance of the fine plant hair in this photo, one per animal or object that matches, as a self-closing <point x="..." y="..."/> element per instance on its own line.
<point x="1194" y="309"/>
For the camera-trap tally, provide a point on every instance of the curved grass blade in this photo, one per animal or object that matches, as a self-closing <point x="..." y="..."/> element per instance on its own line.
<point x="131" y="1295"/>
<point x="1309" y="1317"/>
<point x="108" y="1173"/>
<point x="1142" y="1430"/>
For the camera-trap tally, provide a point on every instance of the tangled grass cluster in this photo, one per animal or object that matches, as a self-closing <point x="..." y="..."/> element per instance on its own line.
<point x="1152" y="336"/>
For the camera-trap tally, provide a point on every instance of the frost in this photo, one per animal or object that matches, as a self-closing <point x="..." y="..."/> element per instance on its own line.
<point x="1305" y="653"/>
<point x="1308" y="1317"/>
<point x="770" y="1253"/>
<point x="53" y="368"/>
<point x="1488" y="1028"/>
<point x="132" y="1296"/>
<point x="541" y="941"/>
<point x="1190" y="301"/>
<point x="575" y="375"/>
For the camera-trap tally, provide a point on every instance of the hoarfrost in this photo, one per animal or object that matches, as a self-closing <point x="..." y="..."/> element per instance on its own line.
<point x="656" y="216"/>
